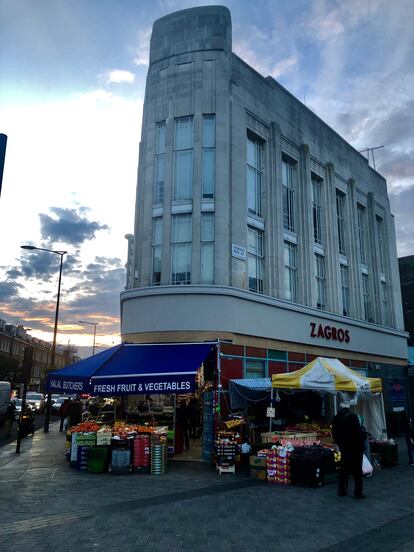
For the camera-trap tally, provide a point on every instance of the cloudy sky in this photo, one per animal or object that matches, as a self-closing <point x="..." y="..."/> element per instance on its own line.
<point x="71" y="94"/>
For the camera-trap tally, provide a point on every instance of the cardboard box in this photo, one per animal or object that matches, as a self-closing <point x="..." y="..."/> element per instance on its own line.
<point x="258" y="474"/>
<point x="258" y="462"/>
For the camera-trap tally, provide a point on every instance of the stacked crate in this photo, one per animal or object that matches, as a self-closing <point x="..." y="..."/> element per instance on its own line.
<point x="141" y="460"/>
<point x="278" y="467"/>
<point x="208" y="425"/>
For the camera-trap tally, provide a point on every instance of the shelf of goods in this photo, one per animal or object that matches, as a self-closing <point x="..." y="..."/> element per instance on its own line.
<point x="208" y="426"/>
<point x="293" y="437"/>
<point x="225" y="451"/>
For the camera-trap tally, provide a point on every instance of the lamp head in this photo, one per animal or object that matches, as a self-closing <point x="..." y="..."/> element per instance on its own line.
<point x="31" y="247"/>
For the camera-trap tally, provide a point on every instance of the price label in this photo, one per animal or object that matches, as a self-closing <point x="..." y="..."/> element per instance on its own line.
<point x="270" y="412"/>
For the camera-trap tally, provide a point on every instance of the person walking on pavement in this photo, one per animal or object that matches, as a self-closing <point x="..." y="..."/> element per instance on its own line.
<point x="193" y="417"/>
<point x="350" y="438"/>
<point x="63" y="412"/>
<point x="10" y="416"/>
<point x="408" y="430"/>
<point x="182" y="418"/>
<point x="75" y="412"/>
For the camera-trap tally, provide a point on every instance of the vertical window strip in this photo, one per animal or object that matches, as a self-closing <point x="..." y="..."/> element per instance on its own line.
<point x="385" y="307"/>
<point x="156" y="250"/>
<point x="340" y="215"/>
<point x="362" y="232"/>
<point x="317" y="209"/>
<point x="320" y="281"/>
<point x="209" y="153"/>
<point x="207" y="248"/>
<point x="183" y="158"/>
<point x="366" y="298"/>
<point x="159" y="163"/>
<point x="254" y="175"/>
<point x="181" y="249"/>
<point x="255" y="259"/>
<point x="288" y="183"/>
<point x="381" y="243"/>
<point x="344" y="290"/>
<point x="290" y="271"/>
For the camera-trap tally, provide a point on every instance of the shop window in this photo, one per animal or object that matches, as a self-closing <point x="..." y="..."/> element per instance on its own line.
<point x="276" y="355"/>
<point x="255" y="369"/>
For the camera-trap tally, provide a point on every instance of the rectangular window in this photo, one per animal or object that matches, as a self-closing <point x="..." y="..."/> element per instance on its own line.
<point x="288" y="183"/>
<point x="381" y="243"/>
<point x="385" y="309"/>
<point x="181" y="249"/>
<point x="255" y="259"/>
<point x="340" y="216"/>
<point x="290" y="271"/>
<point x="159" y="163"/>
<point x="207" y="248"/>
<point x="366" y="297"/>
<point x="209" y="154"/>
<point x="254" y="175"/>
<point x="156" y="250"/>
<point x="362" y="233"/>
<point x="183" y="158"/>
<point x="255" y="369"/>
<point x="344" y="290"/>
<point x="317" y="209"/>
<point x="320" y="281"/>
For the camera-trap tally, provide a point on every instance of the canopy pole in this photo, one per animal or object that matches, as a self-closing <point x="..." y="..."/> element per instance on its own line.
<point x="335" y="404"/>
<point x="271" y="404"/>
<point x="218" y="408"/>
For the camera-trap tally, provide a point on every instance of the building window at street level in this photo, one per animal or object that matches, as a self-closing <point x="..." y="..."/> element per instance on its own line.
<point x="209" y="153"/>
<point x="255" y="259"/>
<point x="255" y="369"/>
<point x="156" y="250"/>
<point x="289" y="251"/>
<point x="254" y="175"/>
<point x="362" y="233"/>
<point x="181" y="249"/>
<point x="288" y="183"/>
<point x="366" y="298"/>
<point x="207" y="248"/>
<point x="159" y="163"/>
<point x="317" y="209"/>
<point x="381" y="243"/>
<point x="344" y="290"/>
<point x="340" y="217"/>
<point x="183" y="158"/>
<point x="320" y="281"/>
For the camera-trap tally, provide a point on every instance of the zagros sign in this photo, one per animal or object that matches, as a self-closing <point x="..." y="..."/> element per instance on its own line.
<point x="331" y="333"/>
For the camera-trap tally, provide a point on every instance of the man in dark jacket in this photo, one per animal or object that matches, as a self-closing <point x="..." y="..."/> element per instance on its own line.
<point x="75" y="412"/>
<point x="350" y="437"/>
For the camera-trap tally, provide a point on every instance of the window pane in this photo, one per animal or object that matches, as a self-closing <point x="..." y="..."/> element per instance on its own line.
<point x="254" y="175"/>
<point x="208" y="172"/>
<point x="255" y="369"/>
<point x="160" y="145"/>
<point x="181" y="263"/>
<point x="181" y="231"/>
<point x="156" y="265"/>
<point x="157" y="231"/>
<point x="207" y="263"/>
<point x="209" y="131"/>
<point x="183" y="174"/>
<point x="183" y="133"/>
<point x="159" y="179"/>
<point x="207" y="230"/>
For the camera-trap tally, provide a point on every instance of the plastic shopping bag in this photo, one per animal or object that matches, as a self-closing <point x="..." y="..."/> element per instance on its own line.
<point x="367" y="468"/>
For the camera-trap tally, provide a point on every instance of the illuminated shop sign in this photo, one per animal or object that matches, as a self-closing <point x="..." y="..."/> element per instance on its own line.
<point x="331" y="333"/>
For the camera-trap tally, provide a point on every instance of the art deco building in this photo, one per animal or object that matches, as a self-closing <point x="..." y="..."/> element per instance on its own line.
<point x="256" y="222"/>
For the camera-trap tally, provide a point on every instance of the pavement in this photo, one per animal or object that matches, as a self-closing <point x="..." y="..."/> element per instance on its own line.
<point x="46" y="505"/>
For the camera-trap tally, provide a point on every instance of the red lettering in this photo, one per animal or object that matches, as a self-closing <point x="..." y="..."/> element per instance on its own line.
<point x="313" y="325"/>
<point x="347" y="336"/>
<point x="330" y="333"/>
<point x="334" y="336"/>
<point x="341" y="335"/>
<point x="327" y="332"/>
<point x="320" y="331"/>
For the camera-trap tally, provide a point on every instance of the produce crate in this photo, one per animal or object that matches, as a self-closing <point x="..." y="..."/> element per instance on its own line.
<point x="98" y="459"/>
<point x="388" y="452"/>
<point x="120" y="462"/>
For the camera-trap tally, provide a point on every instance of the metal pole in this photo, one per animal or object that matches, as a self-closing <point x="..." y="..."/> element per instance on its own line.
<point x="94" y="336"/>
<point x="27" y="370"/>
<point x="53" y="355"/>
<point x="271" y="404"/>
<point x="218" y="384"/>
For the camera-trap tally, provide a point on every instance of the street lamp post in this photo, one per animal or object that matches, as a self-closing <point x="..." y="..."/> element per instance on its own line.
<point x="53" y="354"/>
<point x="94" y="324"/>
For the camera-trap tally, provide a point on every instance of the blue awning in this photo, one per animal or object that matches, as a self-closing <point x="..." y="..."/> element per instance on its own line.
<point x="133" y="369"/>
<point x="249" y="391"/>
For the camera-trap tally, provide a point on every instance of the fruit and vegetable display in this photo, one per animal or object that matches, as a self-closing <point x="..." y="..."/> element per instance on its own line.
<point x="322" y="430"/>
<point x="85" y="427"/>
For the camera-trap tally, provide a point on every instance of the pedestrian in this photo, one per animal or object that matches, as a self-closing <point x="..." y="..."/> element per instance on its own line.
<point x="350" y="438"/>
<point x="408" y="430"/>
<point x="10" y="417"/>
<point x="182" y="419"/>
<point x="75" y="412"/>
<point x="193" y="417"/>
<point x="63" y="413"/>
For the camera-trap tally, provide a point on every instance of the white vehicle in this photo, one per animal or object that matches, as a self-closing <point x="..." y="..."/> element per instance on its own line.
<point x="36" y="401"/>
<point x="5" y="394"/>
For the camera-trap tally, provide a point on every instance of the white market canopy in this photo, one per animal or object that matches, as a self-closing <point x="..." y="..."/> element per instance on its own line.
<point x="329" y="375"/>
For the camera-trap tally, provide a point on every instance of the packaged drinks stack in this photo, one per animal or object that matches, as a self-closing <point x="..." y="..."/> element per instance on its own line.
<point x="141" y="453"/>
<point x="82" y="458"/>
<point x="120" y="462"/>
<point x="278" y="466"/>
